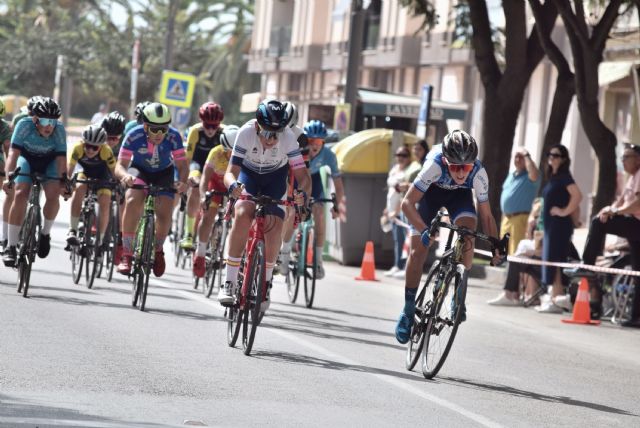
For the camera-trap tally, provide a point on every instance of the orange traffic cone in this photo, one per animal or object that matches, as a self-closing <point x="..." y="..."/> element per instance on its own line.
<point x="368" y="270"/>
<point x="581" y="308"/>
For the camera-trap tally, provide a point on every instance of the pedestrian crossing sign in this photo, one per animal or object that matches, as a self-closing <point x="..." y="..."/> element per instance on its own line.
<point x="177" y="88"/>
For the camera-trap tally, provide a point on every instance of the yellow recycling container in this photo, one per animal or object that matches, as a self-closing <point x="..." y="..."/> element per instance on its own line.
<point x="12" y="104"/>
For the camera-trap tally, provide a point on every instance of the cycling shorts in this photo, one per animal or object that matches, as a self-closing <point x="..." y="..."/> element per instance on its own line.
<point x="164" y="178"/>
<point x="458" y="202"/>
<point x="273" y="184"/>
<point x="217" y="184"/>
<point x="96" y="174"/>
<point x="317" y="188"/>
<point x="195" y="168"/>
<point x="45" y="165"/>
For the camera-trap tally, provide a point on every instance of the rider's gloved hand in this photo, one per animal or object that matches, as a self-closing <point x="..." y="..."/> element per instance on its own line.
<point x="235" y="189"/>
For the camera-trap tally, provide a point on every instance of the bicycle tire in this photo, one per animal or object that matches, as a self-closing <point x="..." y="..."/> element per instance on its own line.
<point x="234" y="315"/>
<point x="25" y="249"/>
<point x="310" y="270"/>
<point x="177" y="250"/>
<point x="90" y="245"/>
<point x="214" y="262"/>
<point x="24" y="274"/>
<point x="438" y="321"/>
<point x="147" y="259"/>
<point x="416" y="339"/>
<point x="292" y="280"/>
<point x="114" y="234"/>
<point x="258" y="283"/>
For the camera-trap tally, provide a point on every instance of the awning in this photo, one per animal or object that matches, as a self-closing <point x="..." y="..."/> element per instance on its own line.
<point x="612" y="71"/>
<point x="250" y="102"/>
<point x="376" y="103"/>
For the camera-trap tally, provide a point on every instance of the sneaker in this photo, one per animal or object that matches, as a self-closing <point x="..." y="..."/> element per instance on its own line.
<point x="159" y="264"/>
<point x="503" y="300"/>
<point x="399" y="274"/>
<point x="187" y="243"/>
<point x="9" y="256"/>
<point x="548" y="308"/>
<point x="403" y="328"/>
<point x="225" y="295"/>
<point x="198" y="266"/>
<point x="125" y="265"/>
<point x="44" y="245"/>
<point x="72" y="237"/>
<point x="284" y="263"/>
<point x="392" y="271"/>
<point x="319" y="272"/>
<point x="454" y="309"/>
<point x="264" y="305"/>
<point x="563" y="301"/>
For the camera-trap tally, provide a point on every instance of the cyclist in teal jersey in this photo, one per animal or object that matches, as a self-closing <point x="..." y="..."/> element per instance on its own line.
<point x="138" y="120"/>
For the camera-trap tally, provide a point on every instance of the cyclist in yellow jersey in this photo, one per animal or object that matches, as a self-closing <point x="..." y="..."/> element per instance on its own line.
<point x="201" y="139"/>
<point x="212" y="179"/>
<point x="94" y="159"/>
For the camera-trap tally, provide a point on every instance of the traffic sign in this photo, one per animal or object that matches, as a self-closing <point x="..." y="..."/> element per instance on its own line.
<point x="177" y="88"/>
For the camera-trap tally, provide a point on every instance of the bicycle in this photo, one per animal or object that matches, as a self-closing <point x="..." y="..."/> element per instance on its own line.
<point x="144" y="244"/>
<point x="87" y="253"/>
<point x="304" y="260"/>
<point x="30" y="230"/>
<point x="435" y="322"/>
<point x="248" y="297"/>
<point x="112" y="235"/>
<point x="214" y="258"/>
<point x="177" y="231"/>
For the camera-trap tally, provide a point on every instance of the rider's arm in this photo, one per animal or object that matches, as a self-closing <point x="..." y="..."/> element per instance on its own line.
<point x="409" y="209"/>
<point x="207" y="172"/>
<point x="303" y="178"/>
<point x="487" y="220"/>
<point x="12" y="160"/>
<point x="231" y="176"/>
<point x="192" y="140"/>
<point x="106" y="154"/>
<point x="575" y="197"/>
<point x="336" y="175"/>
<point x="61" y="150"/>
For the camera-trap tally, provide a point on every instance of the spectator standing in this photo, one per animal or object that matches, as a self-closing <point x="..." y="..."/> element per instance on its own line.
<point x="561" y="198"/>
<point x="98" y="116"/>
<point x="518" y="192"/>
<point x="622" y="218"/>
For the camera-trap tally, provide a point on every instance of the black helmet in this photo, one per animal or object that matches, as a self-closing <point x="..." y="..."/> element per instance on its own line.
<point x="32" y="102"/>
<point x="114" y="123"/>
<point x="46" y="108"/>
<point x="139" y="108"/>
<point x="94" y="134"/>
<point x="272" y="115"/>
<point x="458" y="147"/>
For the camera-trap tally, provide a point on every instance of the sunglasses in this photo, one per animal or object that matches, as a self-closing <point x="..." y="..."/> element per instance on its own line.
<point x="91" y="147"/>
<point x="210" y="126"/>
<point x="158" y="130"/>
<point x="113" y="137"/>
<point x="460" y="167"/>
<point x="402" y="155"/>
<point x="316" y="141"/>
<point x="268" y="135"/>
<point x="43" y="121"/>
<point x="554" y="155"/>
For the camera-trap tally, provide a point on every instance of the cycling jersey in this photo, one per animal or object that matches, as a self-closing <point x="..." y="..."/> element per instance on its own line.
<point x="17" y="118"/>
<point x="95" y="167"/>
<point x="325" y="157"/>
<point x="31" y="144"/>
<point x="435" y="172"/>
<point x="218" y="162"/>
<point x="5" y="131"/>
<point x="199" y="145"/>
<point x="148" y="156"/>
<point x="129" y="126"/>
<point x="249" y="153"/>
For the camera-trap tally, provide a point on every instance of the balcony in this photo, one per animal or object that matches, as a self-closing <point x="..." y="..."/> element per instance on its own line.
<point x="393" y="52"/>
<point x="334" y="56"/>
<point x="302" y="58"/>
<point x="268" y="60"/>
<point x="280" y="41"/>
<point x="438" y="48"/>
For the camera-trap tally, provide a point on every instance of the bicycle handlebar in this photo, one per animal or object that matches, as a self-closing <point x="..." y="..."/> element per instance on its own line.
<point x="35" y="176"/>
<point x="333" y="201"/>
<point x="153" y="189"/>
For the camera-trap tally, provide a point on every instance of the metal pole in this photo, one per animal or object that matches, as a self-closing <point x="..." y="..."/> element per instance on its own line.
<point x="356" y="34"/>
<point x="135" y="55"/>
<point x="58" y="77"/>
<point x="168" y="43"/>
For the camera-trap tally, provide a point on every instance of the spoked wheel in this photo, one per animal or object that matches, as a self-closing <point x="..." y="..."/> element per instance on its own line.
<point x="114" y="234"/>
<point x="258" y="285"/>
<point x="143" y="286"/>
<point x="292" y="279"/>
<point x="24" y="274"/>
<point x="77" y="262"/>
<point x="110" y="259"/>
<point x="135" y="292"/>
<point x="214" y="260"/>
<point x="147" y="261"/>
<point x="89" y="247"/>
<point x="423" y="307"/>
<point x="622" y="291"/>
<point x="235" y="315"/>
<point x="442" y="326"/>
<point x="311" y="265"/>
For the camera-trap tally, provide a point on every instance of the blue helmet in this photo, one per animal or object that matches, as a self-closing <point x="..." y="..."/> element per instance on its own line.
<point x="272" y="115"/>
<point x="315" y="129"/>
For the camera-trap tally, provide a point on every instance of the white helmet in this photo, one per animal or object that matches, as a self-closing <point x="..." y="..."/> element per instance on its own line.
<point x="228" y="136"/>
<point x="94" y="134"/>
<point x="292" y="113"/>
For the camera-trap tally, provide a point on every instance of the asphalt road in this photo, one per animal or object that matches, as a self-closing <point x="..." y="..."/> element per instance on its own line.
<point x="70" y="356"/>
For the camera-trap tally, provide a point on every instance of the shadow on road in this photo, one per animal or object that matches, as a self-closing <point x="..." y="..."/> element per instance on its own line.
<point x="515" y="392"/>
<point x="351" y="314"/>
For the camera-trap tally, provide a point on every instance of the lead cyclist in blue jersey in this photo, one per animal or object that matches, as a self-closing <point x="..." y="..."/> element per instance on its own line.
<point x="448" y="176"/>
<point x="38" y="144"/>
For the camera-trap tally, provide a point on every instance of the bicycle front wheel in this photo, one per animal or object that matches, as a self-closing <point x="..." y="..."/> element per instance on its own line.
<point x="89" y="248"/>
<point x="311" y="266"/>
<point x="257" y="283"/>
<point x="442" y="324"/>
<point x="24" y="274"/>
<point x="147" y="259"/>
<point x="292" y="279"/>
<point x="423" y="305"/>
<point x="214" y="259"/>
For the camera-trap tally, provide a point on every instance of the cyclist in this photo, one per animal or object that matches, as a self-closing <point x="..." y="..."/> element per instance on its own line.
<point x="321" y="156"/>
<point x="212" y="179"/>
<point x="137" y="112"/>
<point x="37" y="145"/>
<point x="5" y="140"/>
<point x="264" y="151"/>
<point x="446" y="180"/>
<point x="95" y="160"/>
<point x="149" y="154"/>
<point x="201" y="139"/>
<point x="114" y="124"/>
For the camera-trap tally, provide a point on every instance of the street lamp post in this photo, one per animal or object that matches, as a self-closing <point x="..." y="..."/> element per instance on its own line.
<point x="356" y="32"/>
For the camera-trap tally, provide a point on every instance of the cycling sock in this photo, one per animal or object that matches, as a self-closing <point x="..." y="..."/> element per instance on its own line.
<point x="46" y="228"/>
<point x="5" y="230"/>
<point x="269" y="272"/>
<point x="202" y="249"/>
<point x="233" y="266"/>
<point x="410" y="301"/>
<point x="13" y="235"/>
<point x="188" y="225"/>
<point x="160" y="243"/>
<point x="319" y="255"/>
<point x="73" y="223"/>
<point x="127" y="243"/>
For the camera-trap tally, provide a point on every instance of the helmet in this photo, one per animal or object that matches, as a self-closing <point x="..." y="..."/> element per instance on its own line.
<point x="138" y="111"/>
<point x="272" y="115"/>
<point x="46" y="108"/>
<point x="32" y="102"/>
<point x="315" y="129"/>
<point x="211" y="112"/>
<point x="458" y="147"/>
<point x="114" y="123"/>
<point x="292" y="112"/>
<point x="156" y="114"/>
<point x="228" y="136"/>
<point x="94" y="134"/>
<point x="1" y="108"/>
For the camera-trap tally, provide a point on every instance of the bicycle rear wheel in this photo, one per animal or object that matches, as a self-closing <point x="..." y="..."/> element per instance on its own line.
<point x="147" y="259"/>
<point x="292" y="279"/>
<point x="257" y="283"/>
<point x="90" y="246"/>
<point x="310" y="268"/>
<point x="26" y="250"/>
<point x="416" y="340"/>
<point x="214" y="261"/>
<point x="234" y="314"/>
<point x="442" y="326"/>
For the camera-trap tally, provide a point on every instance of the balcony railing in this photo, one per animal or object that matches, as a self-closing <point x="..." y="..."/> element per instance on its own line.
<point x="372" y="31"/>
<point x="280" y="41"/>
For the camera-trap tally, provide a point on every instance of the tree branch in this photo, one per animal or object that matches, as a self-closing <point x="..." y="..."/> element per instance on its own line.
<point x="515" y="31"/>
<point x="580" y="17"/>
<point x="570" y="20"/>
<point x="483" y="44"/>
<point x="545" y="27"/>
<point x="603" y="28"/>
